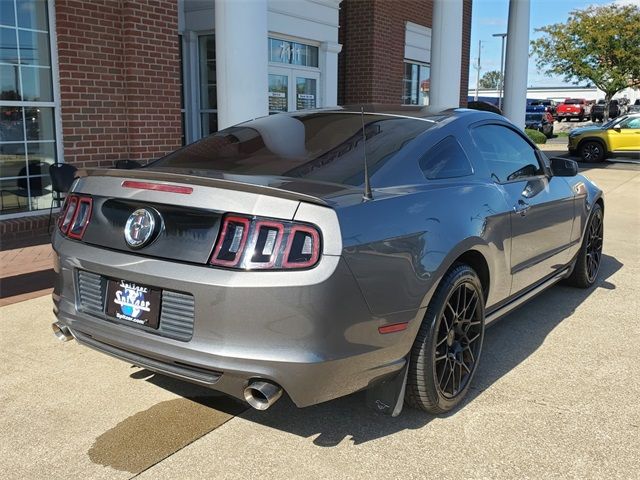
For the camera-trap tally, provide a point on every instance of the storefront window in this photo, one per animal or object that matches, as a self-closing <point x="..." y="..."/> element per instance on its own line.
<point x="208" y="90"/>
<point x="415" y="84"/>
<point x="27" y="108"/>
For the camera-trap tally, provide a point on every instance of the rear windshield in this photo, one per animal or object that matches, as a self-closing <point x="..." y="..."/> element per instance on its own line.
<point x="573" y="101"/>
<point x="318" y="146"/>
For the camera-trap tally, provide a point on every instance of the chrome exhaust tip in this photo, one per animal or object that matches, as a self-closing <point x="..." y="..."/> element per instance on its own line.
<point x="261" y="395"/>
<point x="61" y="332"/>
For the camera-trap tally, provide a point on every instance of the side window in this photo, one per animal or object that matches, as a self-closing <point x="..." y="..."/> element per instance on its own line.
<point x="445" y="160"/>
<point x="631" y="122"/>
<point x="507" y="155"/>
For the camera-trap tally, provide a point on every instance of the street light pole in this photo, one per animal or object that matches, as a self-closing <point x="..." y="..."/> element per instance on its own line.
<point x="503" y="35"/>
<point x="478" y="69"/>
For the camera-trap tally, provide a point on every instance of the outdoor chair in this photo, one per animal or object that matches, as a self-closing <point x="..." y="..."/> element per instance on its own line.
<point x="62" y="177"/>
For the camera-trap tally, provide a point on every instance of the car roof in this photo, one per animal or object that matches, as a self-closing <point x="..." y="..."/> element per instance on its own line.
<point x="408" y="111"/>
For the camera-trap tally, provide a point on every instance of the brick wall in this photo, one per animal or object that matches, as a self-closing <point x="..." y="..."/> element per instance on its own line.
<point x="372" y="33"/>
<point x="119" y="87"/>
<point x="119" y="79"/>
<point x="24" y="229"/>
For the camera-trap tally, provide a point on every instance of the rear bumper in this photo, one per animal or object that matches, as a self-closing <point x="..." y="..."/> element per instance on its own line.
<point x="310" y="331"/>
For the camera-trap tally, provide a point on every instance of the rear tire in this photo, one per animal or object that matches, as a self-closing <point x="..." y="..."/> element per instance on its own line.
<point x="592" y="152"/>
<point x="585" y="271"/>
<point x="447" y="349"/>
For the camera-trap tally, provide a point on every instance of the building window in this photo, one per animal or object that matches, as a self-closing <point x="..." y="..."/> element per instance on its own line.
<point x="294" y="53"/>
<point x="208" y="90"/>
<point x="27" y="107"/>
<point x="415" y="84"/>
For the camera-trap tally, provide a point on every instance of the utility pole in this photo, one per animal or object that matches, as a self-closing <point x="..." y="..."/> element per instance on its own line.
<point x="503" y="35"/>
<point x="478" y="69"/>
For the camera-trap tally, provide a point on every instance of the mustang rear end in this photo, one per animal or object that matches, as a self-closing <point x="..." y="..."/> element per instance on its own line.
<point x="230" y="285"/>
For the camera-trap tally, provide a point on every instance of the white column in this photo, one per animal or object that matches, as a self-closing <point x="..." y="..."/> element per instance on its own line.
<point x="517" y="62"/>
<point x="241" y="60"/>
<point x="446" y="54"/>
<point x="329" y="67"/>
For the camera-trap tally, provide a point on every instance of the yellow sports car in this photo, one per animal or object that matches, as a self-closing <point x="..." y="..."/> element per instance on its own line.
<point x="620" y="136"/>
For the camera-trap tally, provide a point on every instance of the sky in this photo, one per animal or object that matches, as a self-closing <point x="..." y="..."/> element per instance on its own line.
<point x="490" y="16"/>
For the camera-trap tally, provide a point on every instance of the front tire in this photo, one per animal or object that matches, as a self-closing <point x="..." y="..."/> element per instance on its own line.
<point x="446" y="352"/>
<point x="585" y="271"/>
<point x="592" y="152"/>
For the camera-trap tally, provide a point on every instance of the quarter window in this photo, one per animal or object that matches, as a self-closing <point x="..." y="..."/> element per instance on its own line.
<point x="507" y="155"/>
<point x="446" y="160"/>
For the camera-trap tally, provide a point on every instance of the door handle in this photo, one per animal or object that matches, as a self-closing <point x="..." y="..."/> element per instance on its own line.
<point x="521" y="207"/>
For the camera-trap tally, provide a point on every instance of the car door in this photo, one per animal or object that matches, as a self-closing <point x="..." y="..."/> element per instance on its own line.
<point x="541" y="206"/>
<point x="625" y="136"/>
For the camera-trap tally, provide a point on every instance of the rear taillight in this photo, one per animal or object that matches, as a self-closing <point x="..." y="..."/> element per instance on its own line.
<point x="75" y="216"/>
<point x="251" y="243"/>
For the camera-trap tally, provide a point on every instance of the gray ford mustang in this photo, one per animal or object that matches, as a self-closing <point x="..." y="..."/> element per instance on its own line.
<point x="323" y="252"/>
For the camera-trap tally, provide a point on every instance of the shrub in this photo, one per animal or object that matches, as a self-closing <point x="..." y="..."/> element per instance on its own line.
<point x="536" y="136"/>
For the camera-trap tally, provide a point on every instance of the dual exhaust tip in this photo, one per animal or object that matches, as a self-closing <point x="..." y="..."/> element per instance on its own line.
<point x="259" y="394"/>
<point x="61" y="332"/>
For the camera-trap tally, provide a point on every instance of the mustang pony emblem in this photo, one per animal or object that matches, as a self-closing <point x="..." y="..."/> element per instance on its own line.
<point x="139" y="228"/>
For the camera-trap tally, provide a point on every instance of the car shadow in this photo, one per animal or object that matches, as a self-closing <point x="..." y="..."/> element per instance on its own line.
<point x="507" y="343"/>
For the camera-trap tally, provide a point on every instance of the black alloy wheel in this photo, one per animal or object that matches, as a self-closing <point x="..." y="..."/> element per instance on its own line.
<point x="585" y="271"/>
<point x="592" y="152"/>
<point x="447" y="349"/>
<point x="593" y="250"/>
<point x="459" y="338"/>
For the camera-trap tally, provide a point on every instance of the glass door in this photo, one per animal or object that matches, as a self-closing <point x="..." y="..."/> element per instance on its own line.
<point x="291" y="89"/>
<point x="306" y="92"/>
<point x="278" y="90"/>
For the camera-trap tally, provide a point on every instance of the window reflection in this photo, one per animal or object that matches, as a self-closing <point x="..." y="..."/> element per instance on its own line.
<point x="27" y="131"/>
<point x="9" y="82"/>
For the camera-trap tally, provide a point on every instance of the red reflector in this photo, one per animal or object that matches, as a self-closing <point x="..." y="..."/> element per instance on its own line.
<point x="394" y="327"/>
<point x="159" y="187"/>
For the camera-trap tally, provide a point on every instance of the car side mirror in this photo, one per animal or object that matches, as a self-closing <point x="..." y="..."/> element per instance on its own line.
<point x="563" y="167"/>
<point x="616" y="128"/>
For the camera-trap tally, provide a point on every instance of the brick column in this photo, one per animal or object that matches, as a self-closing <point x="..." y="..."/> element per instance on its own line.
<point x="372" y="32"/>
<point x="152" y="77"/>
<point x="119" y="79"/>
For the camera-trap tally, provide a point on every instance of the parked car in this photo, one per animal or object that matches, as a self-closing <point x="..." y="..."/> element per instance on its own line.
<point x="597" y="112"/>
<point x="543" y="122"/>
<point x="635" y="108"/>
<point x="550" y="106"/>
<point x="578" y="108"/>
<point x="323" y="252"/>
<point x="620" y="136"/>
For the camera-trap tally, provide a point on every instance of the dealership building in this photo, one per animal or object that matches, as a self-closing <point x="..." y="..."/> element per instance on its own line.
<point x="91" y="83"/>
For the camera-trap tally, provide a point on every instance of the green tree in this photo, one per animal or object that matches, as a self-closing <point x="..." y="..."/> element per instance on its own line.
<point x="600" y="44"/>
<point x="490" y="80"/>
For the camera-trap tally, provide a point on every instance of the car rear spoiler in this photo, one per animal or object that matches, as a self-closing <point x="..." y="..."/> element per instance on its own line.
<point x="189" y="179"/>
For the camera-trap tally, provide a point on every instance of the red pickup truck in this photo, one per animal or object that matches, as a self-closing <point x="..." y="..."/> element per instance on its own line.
<point x="578" y="108"/>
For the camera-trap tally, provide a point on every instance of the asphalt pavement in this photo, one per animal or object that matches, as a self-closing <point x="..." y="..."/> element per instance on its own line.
<point x="556" y="396"/>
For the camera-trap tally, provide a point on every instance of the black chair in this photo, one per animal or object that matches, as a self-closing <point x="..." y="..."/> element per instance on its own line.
<point x="127" y="164"/>
<point x="31" y="187"/>
<point x="62" y="177"/>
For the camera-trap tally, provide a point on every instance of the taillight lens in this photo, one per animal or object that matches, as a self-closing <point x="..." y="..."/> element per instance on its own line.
<point x="76" y="215"/>
<point x="69" y="210"/>
<point x="250" y="243"/>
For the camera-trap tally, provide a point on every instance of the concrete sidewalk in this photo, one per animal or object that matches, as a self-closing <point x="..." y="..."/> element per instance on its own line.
<point x="556" y="396"/>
